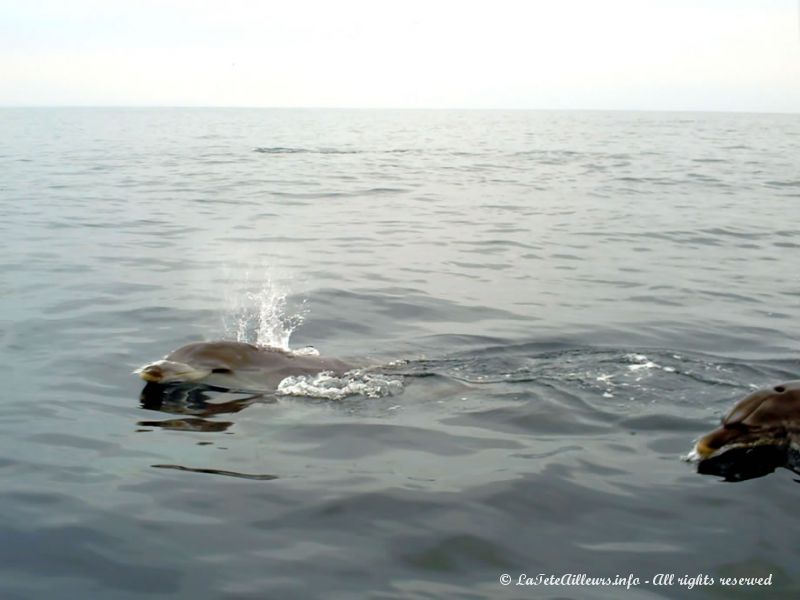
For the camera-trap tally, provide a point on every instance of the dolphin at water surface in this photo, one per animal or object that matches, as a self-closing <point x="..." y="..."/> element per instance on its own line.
<point x="235" y="365"/>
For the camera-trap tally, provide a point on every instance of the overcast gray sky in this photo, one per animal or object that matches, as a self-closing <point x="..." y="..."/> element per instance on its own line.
<point x="612" y="54"/>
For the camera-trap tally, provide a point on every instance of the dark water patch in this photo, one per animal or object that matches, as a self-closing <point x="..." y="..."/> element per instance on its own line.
<point x="783" y="183"/>
<point x="378" y="438"/>
<point x="494" y="245"/>
<point x="336" y="194"/>
<point x="480" y="266"/>
<point x="729" y="296"/>
<point x="69" y="552"/>
<point x="186" y="424"/>
<point x="77" y="442"/>
<point x="738" y="233"/>
<point x="450" y="340"/>
<point x="661" y="422"/>
<point x="538" y="416"/>
<point x="456" y="554"/>
<point x="653" y="299"/>
<point x="399" y="306"/>
<point x="654" y="180"/>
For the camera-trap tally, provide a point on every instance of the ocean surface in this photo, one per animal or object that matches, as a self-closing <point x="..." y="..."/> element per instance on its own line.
<point x="550" y="307"/>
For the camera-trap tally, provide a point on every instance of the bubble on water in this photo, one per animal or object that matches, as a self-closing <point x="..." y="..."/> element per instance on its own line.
<point x="330" y="387"/>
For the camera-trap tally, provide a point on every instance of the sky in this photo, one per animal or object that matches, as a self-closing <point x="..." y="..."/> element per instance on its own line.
<point x="719" y="55"/>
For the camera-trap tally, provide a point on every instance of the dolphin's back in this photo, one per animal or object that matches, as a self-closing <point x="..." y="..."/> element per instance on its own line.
<point x="247" y="362"/>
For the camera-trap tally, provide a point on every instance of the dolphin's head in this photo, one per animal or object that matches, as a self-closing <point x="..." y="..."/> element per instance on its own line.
<point x="768" y="417"/>
<point x="169" y="371"/>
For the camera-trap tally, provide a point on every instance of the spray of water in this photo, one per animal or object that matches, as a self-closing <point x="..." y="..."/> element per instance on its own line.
<point x="259" y="314"/>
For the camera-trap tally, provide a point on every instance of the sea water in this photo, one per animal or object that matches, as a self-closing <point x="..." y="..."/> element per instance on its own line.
<point x="555" y="304"/>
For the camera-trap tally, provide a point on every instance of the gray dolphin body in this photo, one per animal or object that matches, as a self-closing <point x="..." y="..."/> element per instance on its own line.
<point x="767" y="417"/>
<point x="235" y="365"/>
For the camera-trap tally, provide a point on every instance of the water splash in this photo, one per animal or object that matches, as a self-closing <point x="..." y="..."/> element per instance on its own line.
<point x="259" y="314"/>
<point x="330" y="387"/>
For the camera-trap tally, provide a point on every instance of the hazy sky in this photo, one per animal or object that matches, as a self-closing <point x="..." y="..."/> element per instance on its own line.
<point x="605" y="54"/>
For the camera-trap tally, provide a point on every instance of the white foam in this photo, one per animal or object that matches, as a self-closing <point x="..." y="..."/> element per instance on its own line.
<point x="692" y="456"/>
<point x="307" y="351"/>
<point x="642" y="362"/>
<point x="330" y="387"/>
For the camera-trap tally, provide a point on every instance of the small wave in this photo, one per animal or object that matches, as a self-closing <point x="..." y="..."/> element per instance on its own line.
<point x="290" y="150"/>
<point x="329" y="387"/>
<point x="279" y="150"/>
<point x="333" y="195"/>
<point x="795" y="183"/>
<point x="651" y="180"/>
<point x="286" y="150"/>
<point x="626" y="375"/>
<point x="254" y="476"/>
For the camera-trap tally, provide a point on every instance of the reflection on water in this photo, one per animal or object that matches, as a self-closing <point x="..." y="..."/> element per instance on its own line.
<point x="252" y="476"/>
<point x="188" y="424"/>
<point x="201" y="402"/>
<point x="741" y="464"/>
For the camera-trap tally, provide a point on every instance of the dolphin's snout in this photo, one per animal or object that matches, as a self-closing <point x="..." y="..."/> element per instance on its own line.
<point x="716" y="440"/>
<point x="703" y="450"/>
<point x="152" y="373"/>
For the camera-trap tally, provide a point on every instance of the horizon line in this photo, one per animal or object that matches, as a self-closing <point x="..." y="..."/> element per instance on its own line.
<point x="392" y="108"/>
